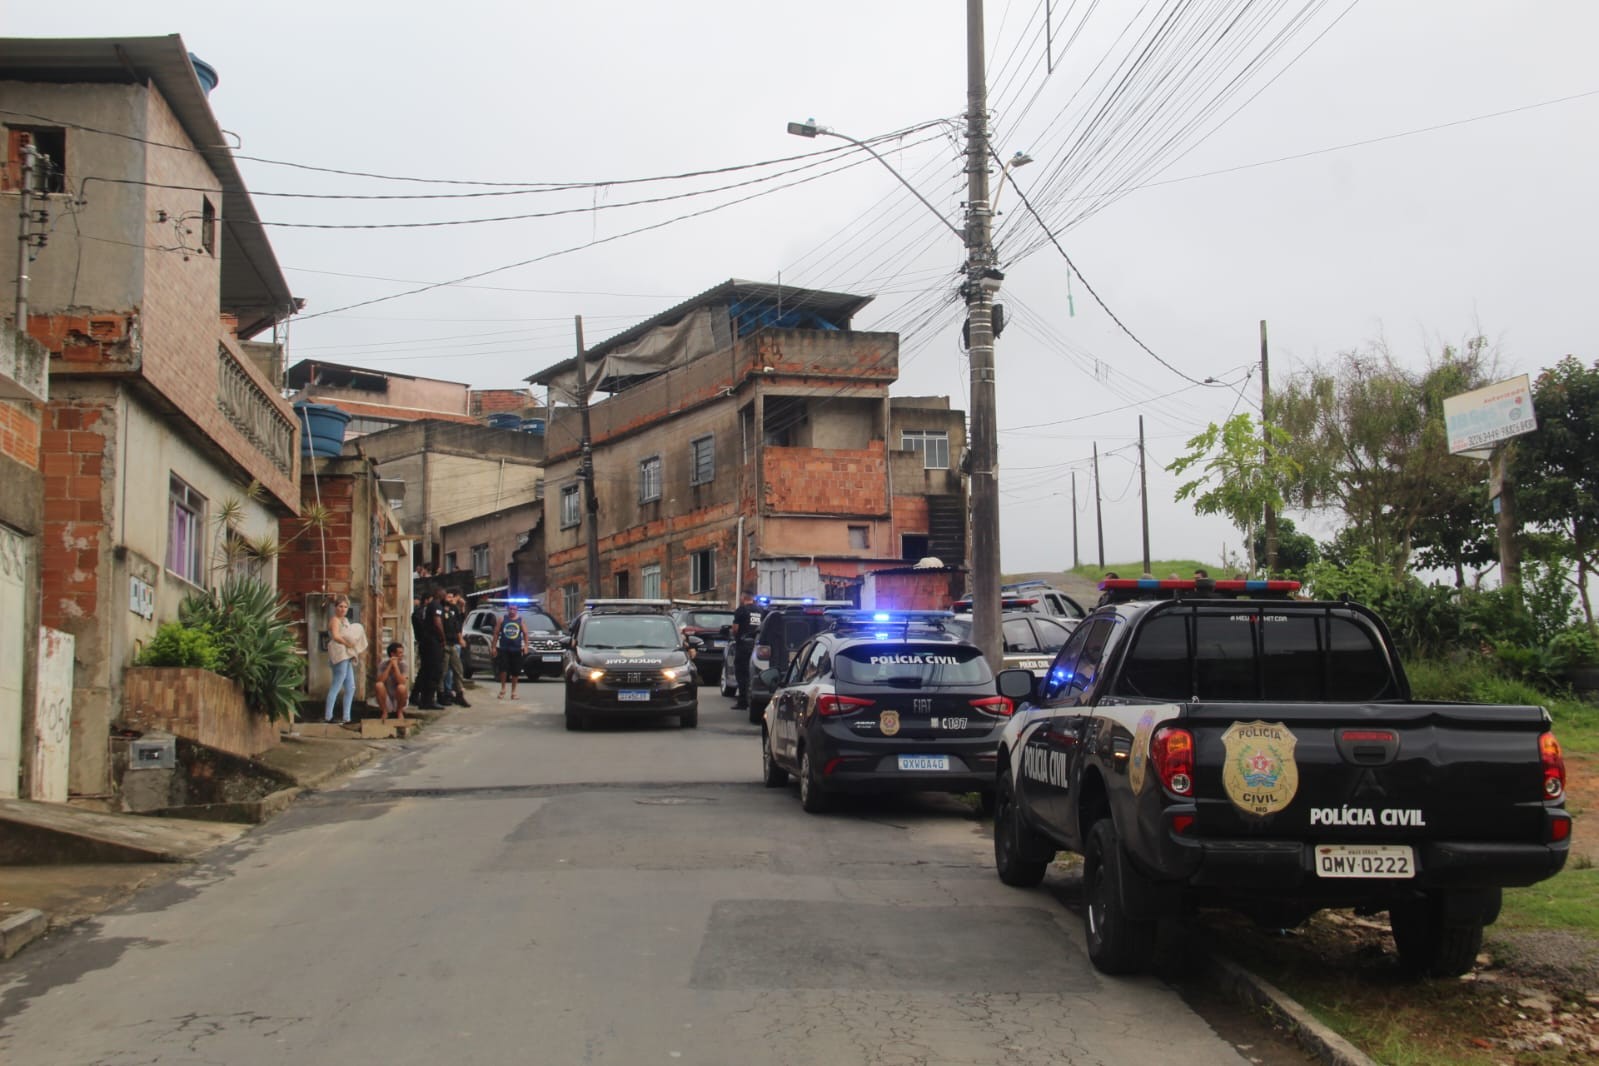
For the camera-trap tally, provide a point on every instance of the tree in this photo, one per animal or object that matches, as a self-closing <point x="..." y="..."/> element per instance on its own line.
<point x="1239" y="479"/>
<point x="1556" y="467"/>
<point x="1368" y="438"/>
<point x="1295" y="550"/>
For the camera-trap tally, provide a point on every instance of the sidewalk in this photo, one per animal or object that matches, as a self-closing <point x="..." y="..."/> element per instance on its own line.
<point x="35" y="899"/>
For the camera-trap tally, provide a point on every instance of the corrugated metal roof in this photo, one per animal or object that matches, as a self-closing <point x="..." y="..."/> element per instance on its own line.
<point x="253" y="286"/>
<point x="840" y="304"/>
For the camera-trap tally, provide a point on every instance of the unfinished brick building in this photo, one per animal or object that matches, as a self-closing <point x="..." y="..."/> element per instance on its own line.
<point x="160" y="414"/>
<point x="747" y="437"/>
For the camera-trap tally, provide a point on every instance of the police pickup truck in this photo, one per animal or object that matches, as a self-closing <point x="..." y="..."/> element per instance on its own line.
<point x="1221" y="744"/>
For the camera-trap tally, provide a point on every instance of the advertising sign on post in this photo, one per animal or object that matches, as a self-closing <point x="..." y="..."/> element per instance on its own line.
<point x="1479" y="420"/>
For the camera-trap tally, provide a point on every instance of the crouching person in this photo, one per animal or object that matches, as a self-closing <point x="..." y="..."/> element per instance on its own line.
<point x="393" y="692"/>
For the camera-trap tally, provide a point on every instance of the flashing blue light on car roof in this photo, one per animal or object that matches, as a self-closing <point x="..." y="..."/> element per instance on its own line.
<point x="881" y="616"/>
<point x="809" y="599"/>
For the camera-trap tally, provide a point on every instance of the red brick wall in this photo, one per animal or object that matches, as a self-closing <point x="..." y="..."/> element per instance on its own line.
<point x="19" y="433"/>
<point x="932" y="591"/>
<point x="826" y="481"/>
<point x="86" y="343"/>
<point x="909" y="516"/>
<point x="301" y="565"/>
<point x="488" y="401"/>
<point x="74" y="449"/>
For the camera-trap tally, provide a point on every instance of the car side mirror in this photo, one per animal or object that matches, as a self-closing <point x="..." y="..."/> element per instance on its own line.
<point x="694" y="642"/>
<point x="1015" y="685"/>
<point x="770" y="678"/>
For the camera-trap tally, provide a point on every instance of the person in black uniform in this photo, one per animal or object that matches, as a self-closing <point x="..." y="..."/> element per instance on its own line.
<point x="454" y="619"/>
<point x="746" y="620"/>
<point x="430" y="649"/>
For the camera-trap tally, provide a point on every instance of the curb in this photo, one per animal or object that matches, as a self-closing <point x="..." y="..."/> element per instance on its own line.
<point x="350" y="762"/>
<point x="21" y="929"/>
<point x="1327" y="1046"/>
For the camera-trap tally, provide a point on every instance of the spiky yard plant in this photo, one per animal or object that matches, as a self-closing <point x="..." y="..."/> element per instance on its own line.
<point x="256" y="645"/>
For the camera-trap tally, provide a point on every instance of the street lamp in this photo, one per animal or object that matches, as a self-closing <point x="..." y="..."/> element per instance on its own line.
<point x="809" y="128"/>
<point x="1020" y="159"/>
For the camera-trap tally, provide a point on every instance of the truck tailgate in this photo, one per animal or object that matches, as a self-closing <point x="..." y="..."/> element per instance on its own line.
<point x="1350" y="773"/>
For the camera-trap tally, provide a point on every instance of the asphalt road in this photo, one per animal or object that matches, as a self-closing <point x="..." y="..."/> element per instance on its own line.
<point x="502" y="891"/>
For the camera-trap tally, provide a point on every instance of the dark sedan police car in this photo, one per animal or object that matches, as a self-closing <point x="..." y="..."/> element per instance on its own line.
<point x="628" y="659"/>
<point x="886" y="701"/>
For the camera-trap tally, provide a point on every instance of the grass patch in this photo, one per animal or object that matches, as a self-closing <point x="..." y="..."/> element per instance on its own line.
<point x="1477" y="679"/>
<point x="1569" y="900"/>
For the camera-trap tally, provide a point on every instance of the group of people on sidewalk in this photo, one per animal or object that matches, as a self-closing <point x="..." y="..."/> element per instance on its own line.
<point x="436" y="622"/>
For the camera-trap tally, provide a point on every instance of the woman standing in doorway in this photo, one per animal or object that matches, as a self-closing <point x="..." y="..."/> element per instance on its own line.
<point x="342" y="649"/>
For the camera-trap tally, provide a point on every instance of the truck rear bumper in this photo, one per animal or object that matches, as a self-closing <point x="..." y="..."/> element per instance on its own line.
<point x="1271" y="868"/>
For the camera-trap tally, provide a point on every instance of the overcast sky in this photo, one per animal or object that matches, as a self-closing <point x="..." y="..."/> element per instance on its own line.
<point x="1421" y="239"/>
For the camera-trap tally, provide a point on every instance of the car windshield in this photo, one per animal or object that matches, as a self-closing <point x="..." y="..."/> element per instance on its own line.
<point x="539" y="623"/>
<point x="901" y="665"/>
<point x="630" y="631"/>
<point x="708" y="619"/>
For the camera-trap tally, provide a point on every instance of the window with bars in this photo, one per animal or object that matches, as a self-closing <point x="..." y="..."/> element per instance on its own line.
<point x="702" y="570"/>
<point x="932" y="443"/>
<point x="650" y="581"/>
<point x="185" y="532"/>
<point x="480" y="560"/>
<point x="702" y="460"/>
<point x="570" y="602"/>
<point x="569" y="506"/>
<point x="649" y="479"/>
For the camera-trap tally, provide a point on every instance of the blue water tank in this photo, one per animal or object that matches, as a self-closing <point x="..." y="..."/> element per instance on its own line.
<point x="321" y="429"/>
<point x="533" y="425"/>
<point x="505" y="420"/>
<point x="205" y="72"/>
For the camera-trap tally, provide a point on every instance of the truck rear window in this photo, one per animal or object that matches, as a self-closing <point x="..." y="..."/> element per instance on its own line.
<point x="912" y="666"/>
<point x="1292" y="656"/>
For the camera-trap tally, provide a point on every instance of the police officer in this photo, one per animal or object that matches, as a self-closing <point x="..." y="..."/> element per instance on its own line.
<point x="430" y="650"/>
<point x="454" y="618"/>
<point x="746" y="620"/>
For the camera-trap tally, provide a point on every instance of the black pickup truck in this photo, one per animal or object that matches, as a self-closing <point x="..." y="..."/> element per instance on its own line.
<point x="1220" y="744"/>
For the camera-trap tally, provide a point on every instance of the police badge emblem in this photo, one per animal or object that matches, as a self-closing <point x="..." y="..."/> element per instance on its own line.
<point x="1259" y="773"/>
<point x="888" y="722"/>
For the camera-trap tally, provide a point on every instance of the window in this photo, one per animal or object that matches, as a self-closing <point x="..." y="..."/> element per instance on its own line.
<point x="480" y="560"/>
<point x="650" y="581"/>
<point x="185" y="532"/>
<point x="858" y="538"/>
<point x="569" y="509"/>
<point x="649" y="479"/>
<point x="620" y="577"/>
<point x="913" y="546"/>
<point x="1017" y="636"/>
<point x="570" y="602"/>
<point x="50" y="142"/>
<point x="702" y="570"/>
<point x="701" y="460"/>
<point x="449" y="562"/>
<point x="932" y="443"/>
<point x="208" y="226"/>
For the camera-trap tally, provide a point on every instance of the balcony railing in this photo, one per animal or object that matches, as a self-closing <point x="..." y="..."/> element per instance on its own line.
<point x="252" y="412"/>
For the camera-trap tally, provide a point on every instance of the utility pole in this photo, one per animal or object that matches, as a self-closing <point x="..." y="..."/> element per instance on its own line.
<point x="1502" y="489"/>
<point x="591" y="504"/>
<point x="1076" y="559"/>
<point x="1265" y="443"/>
<point x="982" y="282"/>
<point x="1099" y="513"/>
<point x="1143" y="490"/>
<point x="24" y="238"/>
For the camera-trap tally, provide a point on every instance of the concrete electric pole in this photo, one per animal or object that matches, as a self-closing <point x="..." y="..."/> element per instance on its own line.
<point x="982" y="282"/>
<point x="591" y="503"/>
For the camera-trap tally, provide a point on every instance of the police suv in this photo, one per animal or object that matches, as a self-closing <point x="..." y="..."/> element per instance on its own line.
<point x="629" y="659"/>
<point x="785" y="624"/>
<point x="545" y="650"/>
<point x="885" y="702"/>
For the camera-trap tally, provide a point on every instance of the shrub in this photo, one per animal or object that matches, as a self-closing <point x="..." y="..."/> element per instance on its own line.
<point x="1576" y="646"/>
<point x="256" y="646"/>
<point x="176" y="644"/>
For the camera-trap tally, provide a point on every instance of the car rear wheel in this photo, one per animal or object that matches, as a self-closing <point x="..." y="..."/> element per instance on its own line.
<point x="755" y="714"/>
<point x="1016" y="847"/>
<point x="1117" y="944"/>
<point x="812" y="799"/>
<point x="1429" y="944"/>
<point x="773" y="775"/>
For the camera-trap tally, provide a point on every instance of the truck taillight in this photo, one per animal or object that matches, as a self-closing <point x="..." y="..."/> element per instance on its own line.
<point x="763" y="652"/>
<point x="831" y="706"/>
<point x="995" y="706"/>
<point x="1172" y="751"/>
<point x="1554" y="767"/>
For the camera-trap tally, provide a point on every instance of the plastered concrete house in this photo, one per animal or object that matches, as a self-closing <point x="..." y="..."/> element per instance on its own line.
<point x="161" y="413"/>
